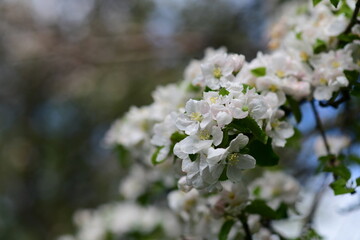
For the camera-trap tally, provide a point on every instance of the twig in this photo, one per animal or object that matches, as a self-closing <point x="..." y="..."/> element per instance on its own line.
<point x="320" y="127"/>
<point x="353" y="20"/>
<point x="243" y="220"/>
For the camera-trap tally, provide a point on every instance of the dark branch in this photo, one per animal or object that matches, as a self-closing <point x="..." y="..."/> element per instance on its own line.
<point x="354" y="19"/>
<point x="243" y="220"/>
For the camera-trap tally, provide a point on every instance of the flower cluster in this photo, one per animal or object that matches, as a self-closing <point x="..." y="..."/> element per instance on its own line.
<point x="228" y="115"/>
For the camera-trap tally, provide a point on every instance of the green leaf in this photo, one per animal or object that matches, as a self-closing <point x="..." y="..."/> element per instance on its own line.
<point x="295" y="108"/>
<point x="354" y="158"/>
<point x="122" y="155"/>
<point x="259" y="72"/>
<point x="346" y="38"/>
<point x="282" y="211"/>
<point x="351" y="75"/>
<point x="247" y="125"/>
<point x="154" y="157"/>
<point x="298" y="36"/>
<point x="311" y="234"/>
<point x="257" y="191"/>
<point x="316" y="2"/>
<point x="260" y="207"/>
<point x="295" y="140"/>
<point x="357" y="181"/>
<point x="339" y="187"/>
<point x="194" y="157"/>
<point x="263" y="153"/>
<point x="225" y="229"/>
<point x="345" y="9"/>
<point x="246" y="88"/>
<point x="193" y="88"/>
<point x="177" y="137"/>
<point x="355" y="91"/>
<point x="340" y="171"/>
<point x="223" y="92"/>
<point x="319" y="46"/>
<point x="335" y="2"/>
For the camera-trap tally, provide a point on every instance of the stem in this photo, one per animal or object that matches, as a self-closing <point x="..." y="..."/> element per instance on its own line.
<point x="353" y="20"/>
<point x="320" y="127"/>
<point x="243" y="220"/>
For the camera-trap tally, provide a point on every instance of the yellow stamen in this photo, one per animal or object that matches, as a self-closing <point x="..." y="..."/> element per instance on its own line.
<point x="273" y="88"/>
<point x="204" y="135"/>
<point x="233" y="159"/>
<point x="213" y="99"/>
<point x="280" y="74"/>
<point x="323" y="81"/>
<point x="335" y="64"/>
<point x="304" y="56"/>
<point x="217" y="73"/>
<point x="195" y="116"/>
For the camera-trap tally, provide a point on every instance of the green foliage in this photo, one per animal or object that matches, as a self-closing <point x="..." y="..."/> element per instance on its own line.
<point x="249" y="125"/>
<point x="154" y="158"/>
<point x="223" y="92"/>
<point x="295" y="108"/>
<point x="315" y="2"/>
<point x="225" y="229"/>
<point x="319" y="46"/>
<point x="339" y="186"/>
<point x="295" y="140"/>
<point x="260" y="207"/>
<point x="177" y="137"/>
<point x="263" y="153"/>
<point x="357" y="181"/>
<point x="259" y="72"/>
<point x="298" y="36"/>
<point x="246" y="87"/>
<point x="311" y="234"/>
<point x="346" y="39"/>
<point x="122" y="155"/>
<point x="194" y="157"/>
<point x="335" y="3"/>
<point x="344" y="9"/>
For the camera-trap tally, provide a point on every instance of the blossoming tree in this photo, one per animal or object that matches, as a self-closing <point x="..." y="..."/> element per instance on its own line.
<point x="210" y="143"/>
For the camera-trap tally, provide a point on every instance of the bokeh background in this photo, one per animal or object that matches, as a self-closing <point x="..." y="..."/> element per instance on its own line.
<point x="69" y="68"/>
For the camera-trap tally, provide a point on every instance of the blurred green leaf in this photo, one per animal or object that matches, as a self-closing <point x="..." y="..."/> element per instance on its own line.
<point x="225" y="229"/>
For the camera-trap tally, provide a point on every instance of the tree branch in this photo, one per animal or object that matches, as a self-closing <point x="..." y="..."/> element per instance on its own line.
<point x="354" y="19"/>
<point x="243" y="220"/>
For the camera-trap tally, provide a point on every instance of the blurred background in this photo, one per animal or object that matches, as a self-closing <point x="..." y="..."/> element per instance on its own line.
<point x="69" y="68"/>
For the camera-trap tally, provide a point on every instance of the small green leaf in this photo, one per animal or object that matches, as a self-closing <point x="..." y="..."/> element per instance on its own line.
<point x="223" y="92"/>
<point x="339" y="187"/>
<point x="122" y="155"/>
<point x="193" y="88"/>
<point x="259" y="72"/>
<point x="225" y="229"/>
<point x="282" y="211"/>
<point x="193" y="157"/>
<point x="257" y="191"/>
<point x="263" y="153"/>
<point x="316" y="2"/>
<point x="358" y="181"/>
<point x="335" y="2"/>
<point x="354" y="158"/>
<point x="246" y="88"/>
<point x="319" y="46"/>
<point x="260" y="207"/>
<point x="154" y="157"/>
<point x="249" y="124"/>
<point x="295" y="108"/>
<point x="340" y="171"/>
<point x="295" y="140"/>
<point x="351" y="75"/>
<point x="177" y="137"/>
<point x="298" y="36"/>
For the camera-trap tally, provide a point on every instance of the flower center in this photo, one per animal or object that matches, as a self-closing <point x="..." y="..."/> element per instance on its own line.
<point x="335" y="64"/>
<point x="245" y="108"/>
<point x="233" y="159"/>
<point x="217" y="73"/>
<point x="213" y="99"/>
<point x="195" y="116"/>
<point x="323" y="81"/>
<point x="273" y="88"/>
<point x="280" y="74"/>
<point x="204" y="135"/>
<point x="275" y="124"/>
<point x="304" y="56"/>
